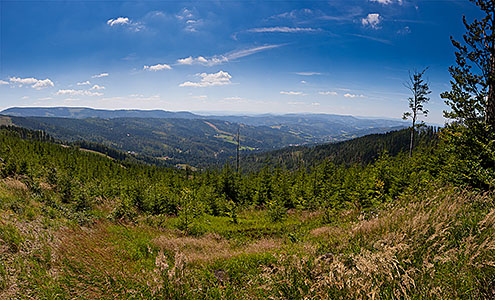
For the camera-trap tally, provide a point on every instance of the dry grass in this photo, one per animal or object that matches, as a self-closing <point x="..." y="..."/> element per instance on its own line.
<point x="211" y="247"/>
<point x="372" y="254"/>
<point x="14" y="184"/>
<point x="91" y="265"/>
<point x="433" y="246"/>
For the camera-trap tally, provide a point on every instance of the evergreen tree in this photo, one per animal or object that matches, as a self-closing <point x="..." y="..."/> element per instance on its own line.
<point x="472" y="98"/>
<point x="420" y="90"/>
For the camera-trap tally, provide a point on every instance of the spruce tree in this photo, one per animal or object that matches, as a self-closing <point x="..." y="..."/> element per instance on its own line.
<point x="419" y="89"/>
<point x="472" y="98"/>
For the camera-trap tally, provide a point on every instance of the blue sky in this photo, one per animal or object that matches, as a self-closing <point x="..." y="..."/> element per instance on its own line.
<point x="342" y="57"/>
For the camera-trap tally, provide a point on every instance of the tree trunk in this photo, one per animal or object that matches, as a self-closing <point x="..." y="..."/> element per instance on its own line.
<point x="412" y="140"/>
<point x="490" y="101"/>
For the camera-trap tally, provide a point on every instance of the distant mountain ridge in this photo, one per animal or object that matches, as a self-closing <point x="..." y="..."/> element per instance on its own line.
<point x="85" y="112"/>
<point x="184" y="137"/>
<point x="314" y="128"/>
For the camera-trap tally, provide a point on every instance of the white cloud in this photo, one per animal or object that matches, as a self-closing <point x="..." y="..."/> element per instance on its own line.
<point x="235" y="98"/>
<point x="191" y="22"/>
<point x="78" y="93"/>
<point x="387" y="2"/>
<point x="308" y="73"/>
<point x="296" y="13"/>
<point x="84" y="83"/>
<point x="41" y="84"/>
<point x="283" y="29"/>
<point x="45" y="98"/>
<point x="100" y="75"/>
<point x="118" y="21"/>
<point x="35" y="83"/>
<point x="157" y="67"/>
<point x="372" y="20"/>
<point x="404" y="31"/>
<point x="124" y="21"/>
<point x="296" y="103"/>
<point x="220" y="59"/>
<point x="3" y="82"/>
<point x="97" y="87"/>
<point x="185" y="14"/>
<point x="348" y="95"/>
<point x="315" y="103"/>
<point x="200" y="97"/>
<point x="251" y="51"/>
<point x="330" y="93"/>
<point x="200" y="60"/>
<point x="292" y="93"/>
<point x="25" y="97"/>
<point x="303" y="81"/>
<point x="22" y="81"/>
<point x="212" y="79"/>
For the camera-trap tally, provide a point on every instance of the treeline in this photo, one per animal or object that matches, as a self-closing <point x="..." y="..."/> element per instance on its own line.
<point x="79" y="181"/>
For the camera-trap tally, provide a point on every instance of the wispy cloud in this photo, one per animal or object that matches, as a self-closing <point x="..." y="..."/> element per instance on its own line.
<point x="308" y="73"/>
<point x="372" y="20"/>
<point x="97" y="87"/>
<point x="189" y="19"/>
<point x="118" y="21"/>
<point x="387" y="2"/>
<point x="72" y="92"/>
<point x="328" y="93"/>
<point x="210" y="79"/>
<point x="235" y="98"/>
<point x="33" y="82"/>
<point x="251" y="51"/>
<point x="221" y="59"/>
<point x="294" y="14"/>
<point x="100" y="75"/>
<point x="3" y="82"/>
<point x="200" y="60"/>
<point x="84" y="83"/>
<point x="349" y="95"/>
<point x="157" y="67"/>
<point x="283" y="29"/>
<point x="292" y="93"/>
<point x="403" y="31"/>
<point x="126" y="22"/>
<point x="372" y="38"/>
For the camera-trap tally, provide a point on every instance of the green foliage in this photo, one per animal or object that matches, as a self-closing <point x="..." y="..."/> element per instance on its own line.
<point x="10" y="236"/>
<point x="471" y="135"/>
<point x="190" y="211"/>
<point x="420" y="90"/>
<point x="362" y="150"/>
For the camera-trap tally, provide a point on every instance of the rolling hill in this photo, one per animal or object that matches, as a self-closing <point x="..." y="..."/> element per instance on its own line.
<point x="192" y="141"/>
<point x="315" y="128"/>
<point x="187" y="138"/>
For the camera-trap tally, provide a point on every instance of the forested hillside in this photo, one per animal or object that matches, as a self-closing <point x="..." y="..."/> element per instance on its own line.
<point x="196" y="142"/>
<point x="78" y="224"/>
<point x="314" y="127"/>
<point x="362" y="150"/>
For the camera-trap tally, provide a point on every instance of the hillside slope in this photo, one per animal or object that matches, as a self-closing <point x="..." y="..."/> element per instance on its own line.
<point x="361" y="150"/>
<point x="192" y="141"/>
<point x="77" y="225"/>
